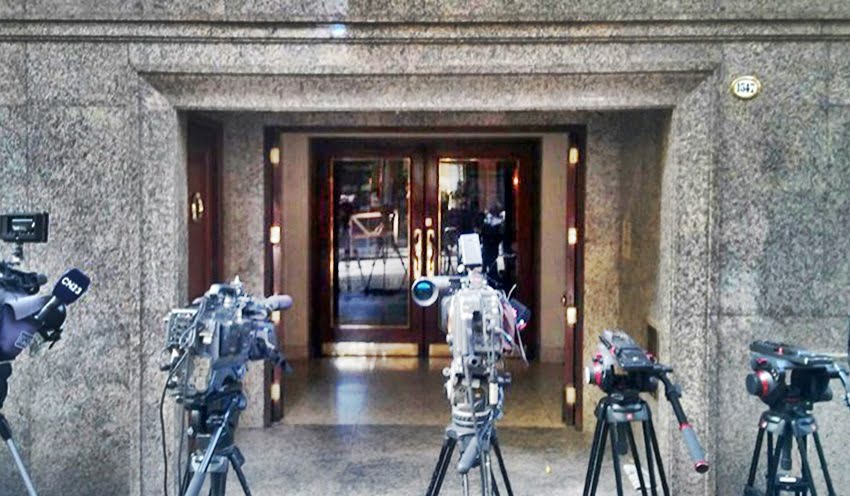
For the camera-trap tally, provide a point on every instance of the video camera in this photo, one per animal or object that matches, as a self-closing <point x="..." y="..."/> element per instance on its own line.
<point x="784" y="373"/>
<point x="26" y="318"/>
<point x="623" y="370"/>
<point x="24" y="314"/>
<point x="209" y="344"/>
<point x="482" y="325"/>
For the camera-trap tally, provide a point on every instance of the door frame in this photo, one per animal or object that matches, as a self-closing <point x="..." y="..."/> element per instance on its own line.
<point x="576" y="183"/>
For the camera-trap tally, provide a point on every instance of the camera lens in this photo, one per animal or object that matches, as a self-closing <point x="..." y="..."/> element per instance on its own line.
<point x="423" y="290"/>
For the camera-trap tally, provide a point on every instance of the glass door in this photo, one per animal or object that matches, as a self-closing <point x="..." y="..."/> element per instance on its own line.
<point x="389" y="211"/>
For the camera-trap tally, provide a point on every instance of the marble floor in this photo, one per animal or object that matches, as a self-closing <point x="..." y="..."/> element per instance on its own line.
<point x="356" y="426"/>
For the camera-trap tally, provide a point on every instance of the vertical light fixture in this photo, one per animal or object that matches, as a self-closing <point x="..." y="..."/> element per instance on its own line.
<point x="572" y="236"/>
<point x="274" y="156"/>
<point x="573" y="156"/>
<point x="274" y="234"/>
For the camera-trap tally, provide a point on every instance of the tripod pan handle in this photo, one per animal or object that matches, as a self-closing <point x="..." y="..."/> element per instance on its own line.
<point x="694" y="448"/>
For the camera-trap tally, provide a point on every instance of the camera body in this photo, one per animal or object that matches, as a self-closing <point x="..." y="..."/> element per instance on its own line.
<point x="210" y="343"/>
<point x="481" y="326"/>
<point x="784" y="373"/>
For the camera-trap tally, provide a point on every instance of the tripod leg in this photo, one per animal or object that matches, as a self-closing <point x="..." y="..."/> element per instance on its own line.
<point x="464" y="480"/>
<point x="600" y="455"/>
<point x="773" y="467"/>
<point x="615" y="458"/>
<point x="237" y="467"/>
<point x="802" y="446"/>
<point x="754" y="464"/>
<point x="636" y="458"/>
<point x="6" y="436"/>
<point x="494" y="483"/>
<point x="218" y="484"/>
<point x="650" y="462"/>
<point x="657" y="450"/>
<point x="594" y="451"/>
<point x="442" y="465"/>
<point x="184" y="484"/>
<point x="823" y="465"/>
<point x="497" y="448"/>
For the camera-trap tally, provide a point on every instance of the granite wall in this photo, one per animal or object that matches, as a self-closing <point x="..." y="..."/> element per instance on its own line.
<point x="753" y="237"/>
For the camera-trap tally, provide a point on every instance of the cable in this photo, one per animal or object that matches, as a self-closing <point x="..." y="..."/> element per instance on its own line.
<point x="162" y="424"/>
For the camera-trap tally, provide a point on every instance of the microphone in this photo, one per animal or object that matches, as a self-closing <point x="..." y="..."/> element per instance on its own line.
<point x="278" y="302"/>
<point x="70" y="287"/>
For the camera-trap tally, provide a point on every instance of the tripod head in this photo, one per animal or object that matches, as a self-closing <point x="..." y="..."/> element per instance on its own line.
<point x="786" y="376"/>
<point x="623" y="370"/>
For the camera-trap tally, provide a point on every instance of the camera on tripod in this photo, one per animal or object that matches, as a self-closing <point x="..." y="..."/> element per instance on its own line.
<point x="207" y="349"/>
<point x="482" y="325"/>
<point x="26" y="318"/>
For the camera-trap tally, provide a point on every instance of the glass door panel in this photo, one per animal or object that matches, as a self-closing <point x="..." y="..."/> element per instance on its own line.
<point x="479" y="196"/>
<point x="371" y="236"/>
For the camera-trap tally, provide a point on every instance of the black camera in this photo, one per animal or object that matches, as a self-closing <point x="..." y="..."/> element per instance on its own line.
<point x="210" y="343"/>
<point x="784" y="373"/>
<point x="208" y="347"/>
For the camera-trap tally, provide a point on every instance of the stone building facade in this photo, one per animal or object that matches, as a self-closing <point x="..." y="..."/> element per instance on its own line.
<point x="753" y="231"/>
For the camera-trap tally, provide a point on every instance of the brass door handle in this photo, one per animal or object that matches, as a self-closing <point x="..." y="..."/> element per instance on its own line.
<point x="431" y="239"/>
<point x="417" y="253"/>
<point x="196" y="208"/>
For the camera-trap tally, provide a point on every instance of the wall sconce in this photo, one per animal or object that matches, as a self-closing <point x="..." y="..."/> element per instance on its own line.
<point x="573" y="158"/>
<point x="276" y="317"/>
<point x="516" y="179"/>
<point x="274" y="235"/>
<point x="572" y="236"/>
<point x="275" y="392"/>
<point x="274" y="156"/>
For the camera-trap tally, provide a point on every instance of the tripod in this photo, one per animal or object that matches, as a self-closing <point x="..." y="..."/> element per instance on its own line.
<point x="6" y="431"/>
<point x="474" y="450"/>
<point x="220" y="452"/>
<point x="614" y="416"/>
<point x="785" y="426"/>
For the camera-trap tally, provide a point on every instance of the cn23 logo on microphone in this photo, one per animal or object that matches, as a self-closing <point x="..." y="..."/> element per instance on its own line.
<point x="72" y="286"/>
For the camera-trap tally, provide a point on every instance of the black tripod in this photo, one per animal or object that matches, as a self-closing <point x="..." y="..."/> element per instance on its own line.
<point x="220" y="452"/>
<point x="614" y="416"/>
<point x="784" y="427"/>
<point x="475" y="450"/>
<point x="6" y="431"/>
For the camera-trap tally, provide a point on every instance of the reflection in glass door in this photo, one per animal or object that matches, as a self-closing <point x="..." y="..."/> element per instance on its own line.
<point x="478" y="196"/>
<point x="371" y="242"/>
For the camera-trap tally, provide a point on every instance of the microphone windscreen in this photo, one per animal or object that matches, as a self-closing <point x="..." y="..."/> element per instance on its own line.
<point x="278" y="302"/>
<point x="71" y="286"/>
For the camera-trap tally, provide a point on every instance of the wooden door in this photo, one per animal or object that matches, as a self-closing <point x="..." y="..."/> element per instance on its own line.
<point x="203" y="169"/>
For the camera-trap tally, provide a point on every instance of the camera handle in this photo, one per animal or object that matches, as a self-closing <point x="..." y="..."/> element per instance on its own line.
<point x="673" y="392"/>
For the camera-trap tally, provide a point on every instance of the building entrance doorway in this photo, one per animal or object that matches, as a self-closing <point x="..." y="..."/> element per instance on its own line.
<point x="391" y="210"/>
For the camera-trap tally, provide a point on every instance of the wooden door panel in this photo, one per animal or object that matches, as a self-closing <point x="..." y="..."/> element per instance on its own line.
<point x="203" y="161"/>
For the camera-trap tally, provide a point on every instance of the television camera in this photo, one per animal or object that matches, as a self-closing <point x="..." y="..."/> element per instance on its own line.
<point x="624" y="370"/>
<point x="790" y="380"/>
<point x="482" y="326"/>
<point x="28" y="319"/>
<point x="207" y="349"/>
